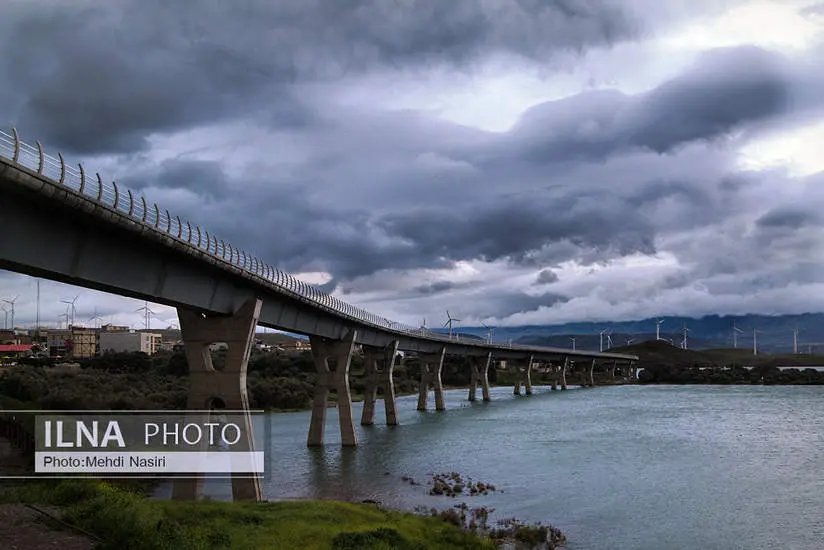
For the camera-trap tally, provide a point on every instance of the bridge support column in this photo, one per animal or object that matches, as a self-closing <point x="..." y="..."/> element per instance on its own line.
<point x="208" y="386"/>
<point x="612" y="370"/>
<point x="484" y="366"/>
<point x="431" y="367"/>
<point x="556" y="373"/>
<point x="382" y="378"/>
<point x="563" y="373"/>
<point x="338" y="379"/>
<point x="528" y="376"/>
<point x="479" y="372"/>
<point x="592" y="374"/>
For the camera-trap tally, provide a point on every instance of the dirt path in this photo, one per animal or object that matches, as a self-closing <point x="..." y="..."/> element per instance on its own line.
<point x="22" y="528"/>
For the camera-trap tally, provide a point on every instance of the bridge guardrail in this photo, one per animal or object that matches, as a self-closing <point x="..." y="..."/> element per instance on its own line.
<point x="124" y="201"/>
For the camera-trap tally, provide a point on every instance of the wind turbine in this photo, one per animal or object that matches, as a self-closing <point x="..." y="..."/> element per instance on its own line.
<point x="755" y="341"/>
<point x="72" y="306"/>
<point x="658" y="323"/>
<point x="795" y="341"/>
<point x="96" y="318"/>
<point x="601" y="336"/>
<point x="630" y="340"/>
<point x="11" y="303"/>
<point x="573" y="343"/>
<point x="489" y="331"/>
<point x="735" y="331"/>
<point x="449" y="322"/>
<point x="148" y="314"/>
<point x="6" y="320"/>
<point x="61" y="316"/>
<point x="684" y="341"/>
<point x="609" y="341"/>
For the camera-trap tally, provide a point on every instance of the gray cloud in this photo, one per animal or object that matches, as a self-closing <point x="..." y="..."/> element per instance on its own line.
<point x="372" y="193"/>
<point x="102" y="78"/>
<point x="545" y="277"/>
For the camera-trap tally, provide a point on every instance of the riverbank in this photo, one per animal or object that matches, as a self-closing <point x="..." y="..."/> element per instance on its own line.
<point x="124" y="519"/>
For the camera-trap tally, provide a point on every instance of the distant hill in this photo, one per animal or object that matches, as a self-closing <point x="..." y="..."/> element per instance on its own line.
<point x="652" y="353"/>
<point x="775" y="332"/>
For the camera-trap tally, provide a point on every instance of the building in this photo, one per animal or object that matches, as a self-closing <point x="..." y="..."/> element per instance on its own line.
<point x="9" y="352"/>
<point x="296" y="345"/>
<point x="122" y="341"/>
<point x="76" y="342"/>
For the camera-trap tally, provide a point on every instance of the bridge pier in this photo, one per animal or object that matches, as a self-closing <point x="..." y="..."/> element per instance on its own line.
<point x="556" y="373"/>
<point x="591" y="380"/>
<point x="480" y="371"/>
<point x="523" y="376"/>
<point x="431" y="367"/>
<point x="612" y="370"/>
<point x="563" y="373"/>
<point x="327" y="379"/>
<point x="380" y="378"/>
<point x="208" y="386"/>
<point x="528" y="376"/>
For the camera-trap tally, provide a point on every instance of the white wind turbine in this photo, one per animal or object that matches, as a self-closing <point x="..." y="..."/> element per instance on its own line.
<point x="601" y="336"/>
<point x="735" y="332"/>
<point x="684" y="341"/>
<point x="630" y="340"/>
<point x="795" y="341"/>
<point x="6" y="320"/>
<point x="96" y="318"/>
<point x="71" y="308"/>
<point x="11" y="303"/>
<point x="489" y="331"/>
<point x="449" y="322"/>
<point x="609" y="340"/>
<point x="755" y="341"/>
<point x="148" y="314"/>
<point x="658" y="323"/>
<point x="573" y="343"/>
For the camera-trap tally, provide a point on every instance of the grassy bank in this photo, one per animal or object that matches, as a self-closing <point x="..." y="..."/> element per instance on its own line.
<point x="125" y="519"/>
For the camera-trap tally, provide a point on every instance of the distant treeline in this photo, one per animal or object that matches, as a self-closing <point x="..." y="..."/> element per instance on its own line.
<point x="769" y="375"/>
<point x="139" y="381"/>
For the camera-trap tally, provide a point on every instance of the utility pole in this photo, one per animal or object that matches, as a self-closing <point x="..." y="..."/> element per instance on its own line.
<point x="38" y="306"/>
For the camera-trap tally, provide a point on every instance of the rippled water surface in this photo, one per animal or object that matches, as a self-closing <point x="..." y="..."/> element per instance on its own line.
<point x="631" y="467"/>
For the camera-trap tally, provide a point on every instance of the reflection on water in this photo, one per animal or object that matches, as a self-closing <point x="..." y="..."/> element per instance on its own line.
<point x="663" y="467"/>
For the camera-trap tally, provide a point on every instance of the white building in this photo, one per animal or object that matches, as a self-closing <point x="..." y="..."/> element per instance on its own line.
<point x="146" y="342"/>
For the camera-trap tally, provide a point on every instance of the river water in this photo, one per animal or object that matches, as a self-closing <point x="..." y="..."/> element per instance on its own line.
<point x="630" y="467"/>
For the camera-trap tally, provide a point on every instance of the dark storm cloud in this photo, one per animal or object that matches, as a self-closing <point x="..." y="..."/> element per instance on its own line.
<point x="726" y="89"/>
<point x="103" y="78"/>
<point x="509" y="303"/>
<point x="436" y="287"/>
<point x="590" y="221"/>
<point x="201" y="177"/>
<point x="545" y="277"/>
<point x="790" y="217"/>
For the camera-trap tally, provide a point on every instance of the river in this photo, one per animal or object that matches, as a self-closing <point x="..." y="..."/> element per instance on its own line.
<point x="629" y="467"/>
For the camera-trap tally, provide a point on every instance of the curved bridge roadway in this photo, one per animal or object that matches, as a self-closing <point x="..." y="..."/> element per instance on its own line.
<point x="65" y="224"/>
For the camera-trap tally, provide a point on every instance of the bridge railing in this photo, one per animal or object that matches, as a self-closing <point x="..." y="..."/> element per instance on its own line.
<point x="125" y="201"/>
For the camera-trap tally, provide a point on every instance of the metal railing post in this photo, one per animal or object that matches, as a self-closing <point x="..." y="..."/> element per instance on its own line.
<point x="16" y="154"/>
<point x="40" y="158"/>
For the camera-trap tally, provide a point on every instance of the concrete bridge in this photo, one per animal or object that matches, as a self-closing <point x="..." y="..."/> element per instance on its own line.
<point x="66" y="224"/>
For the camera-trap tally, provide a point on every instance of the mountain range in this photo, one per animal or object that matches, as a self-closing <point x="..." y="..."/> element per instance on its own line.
<point x="774" y="333"/>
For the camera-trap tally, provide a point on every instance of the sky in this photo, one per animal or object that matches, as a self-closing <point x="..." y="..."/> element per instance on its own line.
<point x="513" y="161"/>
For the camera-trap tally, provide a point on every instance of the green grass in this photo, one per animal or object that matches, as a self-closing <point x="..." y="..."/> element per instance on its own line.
<point x="126" y="520"/>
